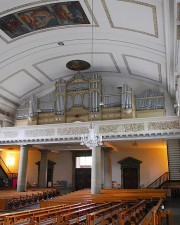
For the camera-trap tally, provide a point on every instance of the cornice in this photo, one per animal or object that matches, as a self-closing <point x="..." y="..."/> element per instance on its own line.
<point x="131" y="129"/>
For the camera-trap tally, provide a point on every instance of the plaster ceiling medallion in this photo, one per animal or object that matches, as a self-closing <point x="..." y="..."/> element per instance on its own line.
<point x="78" y="65"/>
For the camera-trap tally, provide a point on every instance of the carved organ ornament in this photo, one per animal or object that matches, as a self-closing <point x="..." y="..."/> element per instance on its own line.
<point x="80" y="98"/>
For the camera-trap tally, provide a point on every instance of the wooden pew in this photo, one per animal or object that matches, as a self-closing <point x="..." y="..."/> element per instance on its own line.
<point x="71" y="198"/>
<point x="139" y="193"/>
<point x="75" y="215"/>
<point x="79" y="217"/>
<point x="12" y="200"/>
<point x="156" y="215"/>
<point x="105" y="216"/>
<point x="24" y="216"/>
<point x="54" y="215"/>
<point x="133" y="214"/>
<point x="114" y="195"/>
<point x="17" y="217"/>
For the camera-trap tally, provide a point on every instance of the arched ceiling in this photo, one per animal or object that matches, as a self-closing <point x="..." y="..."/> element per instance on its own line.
<point x="129" y="39"/>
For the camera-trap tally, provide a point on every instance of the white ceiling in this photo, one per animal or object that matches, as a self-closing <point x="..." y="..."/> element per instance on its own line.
<point x="130" y="40"/>
<point x="118" y="146"/>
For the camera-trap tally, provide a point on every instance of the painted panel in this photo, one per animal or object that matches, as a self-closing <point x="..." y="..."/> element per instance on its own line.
<point x="42" y="17"/>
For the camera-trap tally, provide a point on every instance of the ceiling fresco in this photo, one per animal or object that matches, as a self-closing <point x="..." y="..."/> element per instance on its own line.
<point x="51" y="15"/>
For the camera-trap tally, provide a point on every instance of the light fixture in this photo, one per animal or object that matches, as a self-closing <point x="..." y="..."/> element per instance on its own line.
<point x="135" y="143"/>
<point x="93" y="138"/>
<point x="61" y="43"/>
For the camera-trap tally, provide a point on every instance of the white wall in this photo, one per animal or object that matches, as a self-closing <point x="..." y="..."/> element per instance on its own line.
<point x="154" y="164"/>
<point x="32" y="170"/>
<point x="63" y="167"/>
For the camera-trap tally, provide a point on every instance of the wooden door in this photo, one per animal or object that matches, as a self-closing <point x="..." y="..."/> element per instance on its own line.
<point x="130" y="178"/>
<point x="82" y="178"/>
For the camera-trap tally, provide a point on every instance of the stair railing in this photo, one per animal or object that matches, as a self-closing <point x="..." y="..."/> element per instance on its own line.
<point x="159" y="181"/>
<point x="6" y="169"/>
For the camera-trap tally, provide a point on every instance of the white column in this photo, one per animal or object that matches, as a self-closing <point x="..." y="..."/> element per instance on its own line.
<point x="43" y="167"/>
<point x="22" y="171"/>
<point x="107" y="168"/>
<point x="96" y="171"/>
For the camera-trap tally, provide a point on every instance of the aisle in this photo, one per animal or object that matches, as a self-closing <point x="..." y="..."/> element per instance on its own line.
<point x="173" y="204"/>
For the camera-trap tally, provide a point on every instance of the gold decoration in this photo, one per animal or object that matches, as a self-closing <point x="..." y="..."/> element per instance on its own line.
<point x="72" y="131"/>
<point x="39" y="132"/>
<point x="168" y="125"/>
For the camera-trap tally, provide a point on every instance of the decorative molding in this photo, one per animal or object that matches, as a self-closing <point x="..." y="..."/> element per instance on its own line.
<point x="74" y="54"/>
<point x="170" y="125"/>
<point x="127" y="129"/>
<point x="72" y="131"/>
<point x="8" y="134"/>
<point x="121" y="128"/>
<point x="147" y="60"/>
<point x="39" y="132"/>
<point x="153" y="7"/>
<point x="14" y="74"/>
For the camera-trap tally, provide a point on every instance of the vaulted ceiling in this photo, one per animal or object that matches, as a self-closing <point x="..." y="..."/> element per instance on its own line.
<point x="130" y="40"/>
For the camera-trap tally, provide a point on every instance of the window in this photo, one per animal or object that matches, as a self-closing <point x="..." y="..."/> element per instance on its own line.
<point x="83" y="162"/>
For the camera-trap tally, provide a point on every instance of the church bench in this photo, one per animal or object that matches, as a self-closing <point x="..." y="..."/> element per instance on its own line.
<point x="67" y="201"/>
<point x="133" y="214"/>
<point x="72" y="216"/>
<point x="98" y="198"/>
<point x="17" y="200"/>
<point x="75" y="217"/>
<point x="105" y="216"/>
<point x="19" y="217"/>
<point x="79" y="217"/>
<point x="156" y="215"/>
<point x="135" y="191"/>
<point x="38" y="219"/>
<point x="138" y="194"/>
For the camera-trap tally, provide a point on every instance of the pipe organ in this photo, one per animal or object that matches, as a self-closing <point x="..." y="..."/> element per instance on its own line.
<point x="85" y="98"/>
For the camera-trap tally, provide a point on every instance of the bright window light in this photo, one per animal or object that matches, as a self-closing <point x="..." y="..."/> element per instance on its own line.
<point x="84" y="162"/>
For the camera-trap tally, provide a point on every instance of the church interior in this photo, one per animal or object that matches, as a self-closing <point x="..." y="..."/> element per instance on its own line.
<point x="90" y="111"/>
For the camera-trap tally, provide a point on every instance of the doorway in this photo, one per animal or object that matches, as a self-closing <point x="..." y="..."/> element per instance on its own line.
<point x="130" y="173"/>
<point x="130" y="178"/>
<point x="82" y="178"/>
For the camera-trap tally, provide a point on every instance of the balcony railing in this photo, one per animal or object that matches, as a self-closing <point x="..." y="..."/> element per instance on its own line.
<point x="127" y="129"/>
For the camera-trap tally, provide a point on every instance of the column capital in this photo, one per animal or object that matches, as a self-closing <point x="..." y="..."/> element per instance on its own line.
<point x="26" y="145"/>
<point x="107" y="148"/>
<point x="44" y="151"/>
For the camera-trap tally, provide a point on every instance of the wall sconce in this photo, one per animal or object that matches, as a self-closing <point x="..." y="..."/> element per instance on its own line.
<point x="135" y="143"/>
<point x="10" y="160"/>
